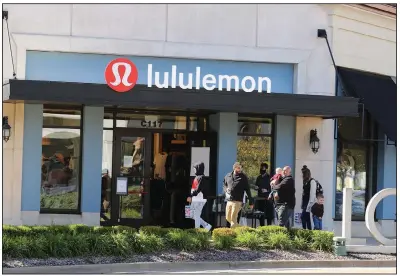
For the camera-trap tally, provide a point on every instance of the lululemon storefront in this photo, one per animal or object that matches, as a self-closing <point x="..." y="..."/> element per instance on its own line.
<point x="107" y="134"/>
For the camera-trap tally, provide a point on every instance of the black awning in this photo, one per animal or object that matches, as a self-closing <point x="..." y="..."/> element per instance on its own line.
<point x="142" y="96"/>
<point x="378" y="94"/>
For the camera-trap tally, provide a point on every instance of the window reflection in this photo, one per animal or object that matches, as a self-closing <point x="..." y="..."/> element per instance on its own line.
<point x="106" y="174"/>
<point x="65" y="119"/>
<point x="254" y="126"/>
<point x="60" y="168"/>
<point x="251" y="152"/>
<point x="353" y="160"/>
<point x="351" y="173"/>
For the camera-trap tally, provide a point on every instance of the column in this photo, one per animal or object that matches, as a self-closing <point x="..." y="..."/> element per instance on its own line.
<point x="31" y="159"/>
<point x="91" y="164"/>
<point x="226" y="125"/>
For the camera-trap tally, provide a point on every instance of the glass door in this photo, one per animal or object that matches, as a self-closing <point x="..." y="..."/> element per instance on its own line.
<point x="203" y="148"/>
<point x="132" y="169"/>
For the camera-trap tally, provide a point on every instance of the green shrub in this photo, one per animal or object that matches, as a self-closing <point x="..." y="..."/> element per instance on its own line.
<point x="81" y="240"/>
<point x="322" y="240"/>
<point x="153" y="230"/>
<point x="102" y="230"/>
<point x="123" y="229"/>
<point x="151" y="243"/>
<point x="266" y="231"/>
<point x="250" y="239"/>
<point x="183" y="240"/>
<point x="243" y="229"/>
<point x="201" y="236"/>
<point x="300" y="243"/>
<point x="279" y="240"/>
<point x="301" y="233"/>
<point x="224" y="238"/>
<point x="17" y="246"/>
<point x="76" y="229"/>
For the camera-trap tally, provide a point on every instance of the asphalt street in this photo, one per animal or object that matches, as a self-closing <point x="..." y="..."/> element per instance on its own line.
<point x="298" y="271"/>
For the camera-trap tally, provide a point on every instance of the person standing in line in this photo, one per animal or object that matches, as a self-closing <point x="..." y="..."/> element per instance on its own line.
<point x="264" y="189"/>
<point x="235" y="185"/>
<point x="275" y="181"/>
<point x="285" y="198"/>
<point x="308" y="197"/>
<point x="200" y="185"/>
<point x="317" y="211"/>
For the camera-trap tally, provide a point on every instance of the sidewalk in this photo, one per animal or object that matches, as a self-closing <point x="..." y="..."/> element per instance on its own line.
<point x="193" y="266"/>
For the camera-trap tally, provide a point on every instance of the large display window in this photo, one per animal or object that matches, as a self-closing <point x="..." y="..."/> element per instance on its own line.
<point x="254" y="146"/>
<point x="61" y="161"/>
<point x="355" y="164"/>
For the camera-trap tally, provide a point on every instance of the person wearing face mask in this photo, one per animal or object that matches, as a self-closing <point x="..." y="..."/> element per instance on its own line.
<point x="263" y="191"/>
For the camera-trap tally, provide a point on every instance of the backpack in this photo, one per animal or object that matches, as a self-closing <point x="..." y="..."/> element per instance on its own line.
<point x="319" y="190"/>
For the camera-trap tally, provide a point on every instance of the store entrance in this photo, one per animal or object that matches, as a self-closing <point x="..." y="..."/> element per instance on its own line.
<point x="152" y="175"/>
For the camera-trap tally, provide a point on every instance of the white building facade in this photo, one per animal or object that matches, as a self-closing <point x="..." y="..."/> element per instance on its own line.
<point x="72" y="42"/>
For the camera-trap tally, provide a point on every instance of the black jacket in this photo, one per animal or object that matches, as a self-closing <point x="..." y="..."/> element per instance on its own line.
<point x="262" y="182"/>
<point x="286" y="192"/>
<point x="236" y="185"/>
<point x="318" y="210"/>
<point x="200" y="182"/>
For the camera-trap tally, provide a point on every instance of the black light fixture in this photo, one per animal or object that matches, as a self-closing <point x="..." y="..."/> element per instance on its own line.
<point x="6" y="129"/>
<point x="314" y="141"/>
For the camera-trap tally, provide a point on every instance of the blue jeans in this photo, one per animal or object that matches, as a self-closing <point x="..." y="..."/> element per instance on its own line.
<point x="317" y="223"/>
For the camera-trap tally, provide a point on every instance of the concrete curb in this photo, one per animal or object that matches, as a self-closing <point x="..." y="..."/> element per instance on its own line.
<point x="191" y="266"/>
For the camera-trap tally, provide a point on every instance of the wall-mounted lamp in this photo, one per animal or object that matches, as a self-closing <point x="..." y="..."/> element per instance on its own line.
<point x="6" y="129"/>
<point x="314" y="141"/>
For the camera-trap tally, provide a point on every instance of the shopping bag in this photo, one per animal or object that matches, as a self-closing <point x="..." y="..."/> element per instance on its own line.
<point x="243" y="218"/>
<point x="243" y="221"/>
<point x="188" y="211"/>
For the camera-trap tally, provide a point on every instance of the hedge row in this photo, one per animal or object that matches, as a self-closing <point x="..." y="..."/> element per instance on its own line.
<point x="81" y="240"/>
<point x="273" y="237"/>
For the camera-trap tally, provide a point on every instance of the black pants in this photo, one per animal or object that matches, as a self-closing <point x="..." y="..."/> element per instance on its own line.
<point x="284" y="215"/>
<point x="306" y="220"/>
<point x="268" y="209"/>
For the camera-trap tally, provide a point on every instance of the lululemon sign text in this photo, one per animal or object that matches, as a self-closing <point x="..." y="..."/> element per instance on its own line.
<point x="121" y="75"/>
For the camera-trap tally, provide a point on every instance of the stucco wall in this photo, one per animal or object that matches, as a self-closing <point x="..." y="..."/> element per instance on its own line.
<point x="364" y="40"/>
<point x="12" y="164"/>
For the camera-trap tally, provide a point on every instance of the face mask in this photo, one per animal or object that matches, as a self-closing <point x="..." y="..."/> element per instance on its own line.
<point x="263" y="171"/>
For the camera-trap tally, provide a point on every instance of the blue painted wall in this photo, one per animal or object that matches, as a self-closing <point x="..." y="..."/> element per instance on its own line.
<point x="31" y="159"/>
<point x="334" y="172"/>
<point x="386" y="209"/>
<point x="226" y="126"/>
<point x="92" y="158"/>
<point x="89" y="68"/>
<point x="285" y="143"/>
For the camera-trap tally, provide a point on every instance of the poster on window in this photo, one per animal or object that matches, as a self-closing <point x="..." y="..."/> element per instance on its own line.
<point x="201" y="154"/>
<point x="128" y="161"/>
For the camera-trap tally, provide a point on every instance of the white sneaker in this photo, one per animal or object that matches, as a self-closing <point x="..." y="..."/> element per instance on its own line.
<point x="208" y="227"/>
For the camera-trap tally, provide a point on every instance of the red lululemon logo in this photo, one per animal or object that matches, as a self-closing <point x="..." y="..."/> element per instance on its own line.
<point x="121" y="75"/>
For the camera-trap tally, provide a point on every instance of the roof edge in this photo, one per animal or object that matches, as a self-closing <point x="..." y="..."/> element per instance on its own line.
<point x="382" y="9"/>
